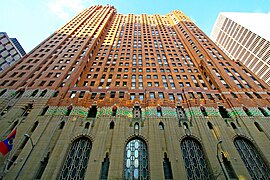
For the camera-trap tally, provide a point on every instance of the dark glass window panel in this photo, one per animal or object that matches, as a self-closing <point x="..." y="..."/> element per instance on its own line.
<point x="255" y="164"/>
<point x="76" y="161"/>
<point x="195" y="161"/>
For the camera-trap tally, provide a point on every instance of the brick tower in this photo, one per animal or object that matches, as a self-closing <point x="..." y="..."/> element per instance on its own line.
<point x="113" y="96"/>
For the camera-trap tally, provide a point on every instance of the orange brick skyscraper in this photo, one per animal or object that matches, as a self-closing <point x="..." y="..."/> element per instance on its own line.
<point x="113" y="96"/>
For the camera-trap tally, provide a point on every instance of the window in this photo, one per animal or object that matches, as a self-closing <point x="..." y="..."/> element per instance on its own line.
<point x="81" y="94"/>
<point x="112" y="95"/>
<point x="161" y="126"/>
<point x="263" y="112"/>
<point x="105" y="168"/>
<point x="102" y="95"/>
<point x="255" y="164"/>
<point x="121" y="94"/>
<point x="132" y="96"/>
<point x="73" y="94"/>
<point x="136" y="160"/>
<point x="141" y="96"/>
<point x="93" y="95"/>
<point x="161" y="95"/>
<point x="223" y="112"/>
<point x="76" y="160"/>
<point x="167" y="168"/>
<point x="152" y="95"/>
<point x="193" y="154"/>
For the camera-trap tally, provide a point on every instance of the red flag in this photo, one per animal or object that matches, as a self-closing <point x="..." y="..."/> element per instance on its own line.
<point x="7" y="144"/>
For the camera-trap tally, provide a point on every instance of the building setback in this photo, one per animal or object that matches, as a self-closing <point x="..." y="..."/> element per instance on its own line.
<point x="245" y="37"/>
<point x="10" y="51"/>
<point x="113" y="96"/>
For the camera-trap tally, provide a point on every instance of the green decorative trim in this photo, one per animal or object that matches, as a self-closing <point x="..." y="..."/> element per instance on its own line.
<point x="121" y="111"/>
<point x="57" y="111"/>
<point x="166" y="112"/>
<point x="195" y="111"/>
<point x="255" y="111"/>
<point x="211" y="111"/>
<point x="79" y="111"/>
<point x="8" y="93"/>
<point x="104" y="111"/>
<point x="266" y="110"/>
<point x="28" y="93"/>
<point x="235" y="112"/>
<point x="169" y="112"/>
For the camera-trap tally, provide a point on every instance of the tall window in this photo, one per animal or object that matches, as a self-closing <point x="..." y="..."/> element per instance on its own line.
<point x="167" y="168"/>
<point x="77" y="159"/>
<point x="136" y="160"/>
<point x="105" y="168"/>
<point x="195" y="161"/>
<point x="255" y="165"/>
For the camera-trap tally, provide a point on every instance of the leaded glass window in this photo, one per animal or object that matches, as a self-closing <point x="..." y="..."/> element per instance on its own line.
<point x="255" y="165"/>
<point x="136" y="160"/>
<point x="195" y="161"/>
<point x="77" y="159"/>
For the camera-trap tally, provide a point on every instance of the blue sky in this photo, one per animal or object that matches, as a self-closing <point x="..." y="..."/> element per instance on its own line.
<point x="31" y="21"/>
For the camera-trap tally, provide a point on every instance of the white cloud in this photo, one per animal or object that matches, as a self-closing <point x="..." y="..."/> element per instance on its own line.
<point x="63" y="8"/>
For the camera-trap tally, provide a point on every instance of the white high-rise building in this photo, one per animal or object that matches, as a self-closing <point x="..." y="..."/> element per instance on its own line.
<point x="245" y="37"/>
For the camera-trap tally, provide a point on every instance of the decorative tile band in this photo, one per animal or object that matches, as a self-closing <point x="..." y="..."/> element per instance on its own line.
<point x="152" y="112"/>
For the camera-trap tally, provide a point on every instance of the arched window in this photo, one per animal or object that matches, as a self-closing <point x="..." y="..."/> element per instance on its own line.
<point x="223" y="112"/>
<point x="43" y="93"/>
<point x="87" y="125"/>
<point x="77" y="158"/>
<point x="263" y="112"/>
<point x="194" y="158"/>
<point x="44" y="110"/>
<point x="233" y="125"/>
<point x="255" y="164"/>
<point x="247" y="111"/>
<point x="159" y="111"/>
<point x="105" y="168"/>
<point x="203" y="111"/>
<point x="34" y="93"/>
<point x="161" y="126"/>
<point x="34" y="126"/>
<point x="19" y="93"/>
<point x="3" y="92"/>
<point x="61" y="125"/>
<point x="210" y="125"/>
<point x="136" y="160"/>
<point x="185" y="125"/>
<point x="258" y="126"/>
<point x="167" y="168"/>
<point x="136" y="126"/>
<point x="55" y="94"/>
<point x="111" y="125"/>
